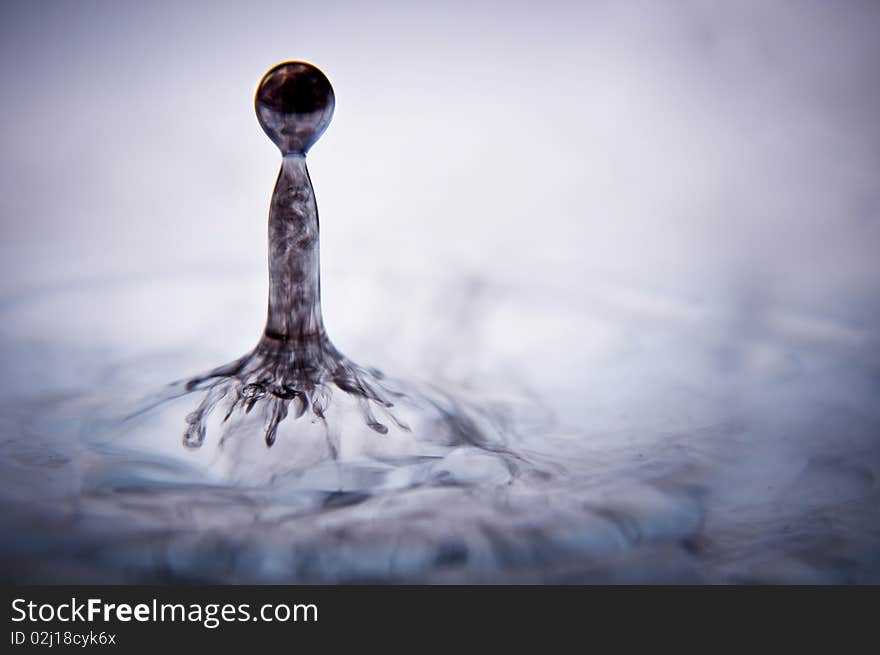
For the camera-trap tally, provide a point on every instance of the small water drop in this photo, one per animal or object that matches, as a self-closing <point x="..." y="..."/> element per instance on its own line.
<point x="381" y="428"/>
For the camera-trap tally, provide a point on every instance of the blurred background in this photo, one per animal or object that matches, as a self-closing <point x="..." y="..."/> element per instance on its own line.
<point x="697" y="146"/>
<point x="652" y="216"/>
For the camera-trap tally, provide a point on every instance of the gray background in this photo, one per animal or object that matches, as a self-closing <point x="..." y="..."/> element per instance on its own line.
<point x="709" y="148"/>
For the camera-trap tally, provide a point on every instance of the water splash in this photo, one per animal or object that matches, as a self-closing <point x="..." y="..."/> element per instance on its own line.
<point x="295" y="370"/>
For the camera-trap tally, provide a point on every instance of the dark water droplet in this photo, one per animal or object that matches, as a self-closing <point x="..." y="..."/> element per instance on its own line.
<point x="286" y="392"/>
<point x="345" y="499"/>
<point x="378" y="427"/>
<point x="294" y="104"/>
